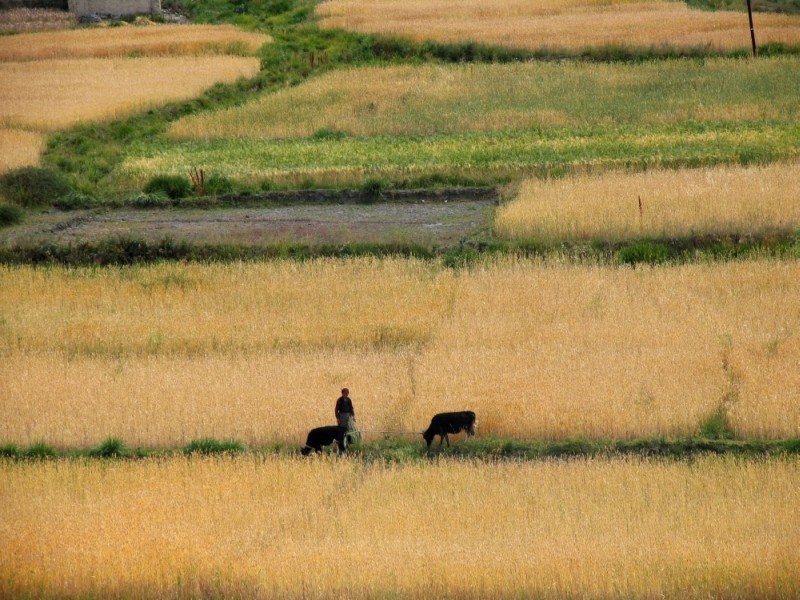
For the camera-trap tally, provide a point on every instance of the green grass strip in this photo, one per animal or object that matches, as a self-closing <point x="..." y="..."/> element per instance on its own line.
<point x="407" y="448"/>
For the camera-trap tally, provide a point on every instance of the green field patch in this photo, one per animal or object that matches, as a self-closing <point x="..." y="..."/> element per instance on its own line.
<point x="405" y="447"/>
<point x="436" y="99"/>
<point x="489" y="123"/>
<point x="489" y="156"/>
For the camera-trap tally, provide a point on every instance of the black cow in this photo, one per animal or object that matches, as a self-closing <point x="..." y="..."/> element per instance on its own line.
<point x="325" y="436"/>
<point x="449" y="422"/>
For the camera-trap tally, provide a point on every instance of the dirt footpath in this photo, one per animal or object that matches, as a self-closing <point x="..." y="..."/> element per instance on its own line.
<point x="432" y="223"/>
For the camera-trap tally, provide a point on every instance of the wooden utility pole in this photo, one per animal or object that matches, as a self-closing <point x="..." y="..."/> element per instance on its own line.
<point x="752" y="31"/>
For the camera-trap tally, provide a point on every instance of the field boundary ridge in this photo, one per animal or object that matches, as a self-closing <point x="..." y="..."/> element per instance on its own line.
<point x="404" y="449"/>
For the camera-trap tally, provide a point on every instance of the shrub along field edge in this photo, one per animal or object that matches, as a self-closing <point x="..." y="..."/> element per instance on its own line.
<point x="131" y="250"/>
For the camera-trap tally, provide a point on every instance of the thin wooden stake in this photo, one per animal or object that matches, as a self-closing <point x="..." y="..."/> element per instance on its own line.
<point x="752" y="30"/>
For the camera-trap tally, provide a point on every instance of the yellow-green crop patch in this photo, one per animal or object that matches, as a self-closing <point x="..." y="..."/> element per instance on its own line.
<point x="477" y="155"/>
<point x="426" y="100"/>
<point x="490" y="122"/>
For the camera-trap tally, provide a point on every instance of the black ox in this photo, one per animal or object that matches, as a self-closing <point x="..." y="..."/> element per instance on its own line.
<point x="325" y="436"/>
<point x="449" y="422"/>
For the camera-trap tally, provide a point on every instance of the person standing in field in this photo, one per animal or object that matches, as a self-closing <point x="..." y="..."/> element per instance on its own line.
<point x="346" y="414"/>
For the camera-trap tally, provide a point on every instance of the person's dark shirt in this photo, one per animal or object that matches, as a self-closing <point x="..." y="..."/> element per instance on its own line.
<point x="344" y="405"/>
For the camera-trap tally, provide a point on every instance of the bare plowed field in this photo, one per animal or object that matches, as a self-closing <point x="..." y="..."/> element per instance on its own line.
<point x="431" y="223"/>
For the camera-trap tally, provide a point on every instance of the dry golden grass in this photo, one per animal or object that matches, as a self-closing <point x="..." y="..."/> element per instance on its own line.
<point x="236" y="308"/>
<point x="53" y="80"/>
<point x="721" y="200"/>
<point x="560" y="351"/>
<point x="121" y="42"/>
<point x="161" y="355"/>
<point x="571" y="25"/>
<point x="53" y="94"/>
<point x="283" y="527"/>
<point x="19" y="148"/>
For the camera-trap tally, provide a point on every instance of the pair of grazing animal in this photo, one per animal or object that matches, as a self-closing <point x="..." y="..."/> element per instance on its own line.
<point x="442" y="424"/>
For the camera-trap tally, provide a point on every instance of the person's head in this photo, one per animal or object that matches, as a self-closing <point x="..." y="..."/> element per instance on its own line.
<point x="345" y="392"/>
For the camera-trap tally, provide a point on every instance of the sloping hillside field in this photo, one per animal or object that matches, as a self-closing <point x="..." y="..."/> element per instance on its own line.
<point x="493" y="121"/>
<point x="56" y="79"/>
<point x="432" y="100"/>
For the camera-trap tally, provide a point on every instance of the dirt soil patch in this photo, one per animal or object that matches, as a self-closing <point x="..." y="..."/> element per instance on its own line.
<point x="437" y="223"/>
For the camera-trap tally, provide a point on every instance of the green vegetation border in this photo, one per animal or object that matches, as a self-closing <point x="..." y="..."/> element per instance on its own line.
<point x="403" y="449"/>
<point x="131" y="250"/>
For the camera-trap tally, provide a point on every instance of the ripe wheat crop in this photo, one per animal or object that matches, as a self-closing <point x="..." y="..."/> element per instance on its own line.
<point x="553" y="24"/>
<point x="19" y="148"/>
<point x="161" y="355"/>
<point x="48" y="95"/>
<point x="52" y="80"/>
<point x="623" y="206"/>
<point x="282" y="527"/>
<point x="121" y="42"/>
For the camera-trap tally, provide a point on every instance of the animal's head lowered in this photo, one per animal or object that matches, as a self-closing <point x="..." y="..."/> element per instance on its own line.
<point x="428" y="436"/>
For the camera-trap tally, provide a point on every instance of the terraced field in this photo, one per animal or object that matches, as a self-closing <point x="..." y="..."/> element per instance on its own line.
<point x="570" y="26"/>
<point x="56" y="79"/>
<point x="578" y="219"/>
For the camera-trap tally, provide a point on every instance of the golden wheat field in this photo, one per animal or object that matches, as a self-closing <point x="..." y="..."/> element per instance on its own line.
<point x="273" y="527"/>
<point x="553" y="24"/>
<point x="53" y="80"/>
<point x="662" y="204"/>
<point x="48" y="95"/>
<point x="123" y="42"/>
<point x="161" y="355"/>
<point x="19" y="148"/>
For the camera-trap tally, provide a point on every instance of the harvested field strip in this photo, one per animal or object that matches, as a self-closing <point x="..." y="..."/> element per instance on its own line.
<point x="425" y="100"/>
<point x="244" y="528"/>
<point x="481" y="156"/>
<point x="121" y="42"/>
<point x="626" y="206"/>
<point x="565" y="351"/>
<point x="380" y="227"/>
<point x="53" y="94"/>
<point x="19" y="148"/>
<point x="558" y="25"/>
